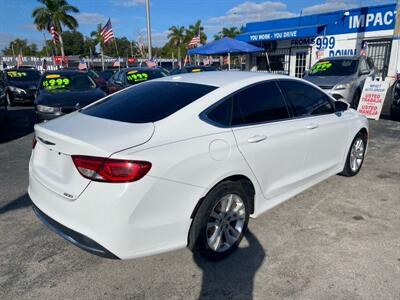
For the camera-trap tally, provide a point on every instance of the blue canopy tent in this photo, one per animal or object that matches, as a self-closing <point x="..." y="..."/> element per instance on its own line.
<point x="225" y="45"/>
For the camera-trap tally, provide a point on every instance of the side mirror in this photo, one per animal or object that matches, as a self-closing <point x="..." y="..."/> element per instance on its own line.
<point x="118" y="82"/>
<point x="341" y="106"/>
<point x="364" y="72"/>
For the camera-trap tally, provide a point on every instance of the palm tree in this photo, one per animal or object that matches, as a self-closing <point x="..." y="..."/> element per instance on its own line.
<point x="177" y="38"/>
<point x="55" y="13"/>
<point x="231" y="32"/>
<point x="195" y="30"/>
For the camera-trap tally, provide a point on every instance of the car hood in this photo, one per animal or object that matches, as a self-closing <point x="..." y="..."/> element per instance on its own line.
<point x="69" y="98"/>
<point x="26" y="85"/>
<point x="328" y="81"/>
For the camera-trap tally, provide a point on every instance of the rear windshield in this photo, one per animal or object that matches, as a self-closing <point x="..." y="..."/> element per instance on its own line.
<point x="136" y="76"/>
<point x="60" y="82"/>
<point x="23" y="75"/>
<point x="148" y="102"/>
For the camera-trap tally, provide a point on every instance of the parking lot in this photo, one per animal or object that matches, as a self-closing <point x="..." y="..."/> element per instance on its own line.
<point x="338" y="240"/>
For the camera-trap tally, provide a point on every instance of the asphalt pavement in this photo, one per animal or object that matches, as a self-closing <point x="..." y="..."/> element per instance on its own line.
<point x="338" y="240"/>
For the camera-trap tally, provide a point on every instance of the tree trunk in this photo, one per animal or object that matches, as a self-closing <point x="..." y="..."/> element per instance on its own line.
<point x="179" y="57"/>
<point x="61" y="47"/>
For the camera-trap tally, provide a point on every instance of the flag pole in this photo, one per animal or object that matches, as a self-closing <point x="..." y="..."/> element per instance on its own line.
<point x="116" y="49"/>
<point x="148" y="29"/>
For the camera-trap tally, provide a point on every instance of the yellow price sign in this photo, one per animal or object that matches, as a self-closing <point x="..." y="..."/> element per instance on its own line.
<point x="320" y="67"/>
<point x="137" y="77"/>
<point x="53" y="76"/>
<point x="16" y="74"/>
<point x="53" y="83"/>
<point x="132" y="72"/>
<point x="196" y="70"/>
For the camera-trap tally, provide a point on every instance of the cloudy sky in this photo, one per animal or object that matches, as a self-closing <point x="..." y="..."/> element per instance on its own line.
<point x="129" y="19"/>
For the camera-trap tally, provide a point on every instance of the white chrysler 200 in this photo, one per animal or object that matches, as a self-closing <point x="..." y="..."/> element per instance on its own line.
<point x="183" y="161"/>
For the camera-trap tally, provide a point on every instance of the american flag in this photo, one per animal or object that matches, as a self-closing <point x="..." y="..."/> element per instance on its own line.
<point x="54" y="34"/>
<point x="194" y="41"/>
<point x="107" y="32"/>
<point x="82" y="64"/>
<point x="151" y="63"/>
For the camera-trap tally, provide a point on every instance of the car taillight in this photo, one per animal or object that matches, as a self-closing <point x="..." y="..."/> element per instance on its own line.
<point x="110" y="170"/>
<point x="34" y="142"/>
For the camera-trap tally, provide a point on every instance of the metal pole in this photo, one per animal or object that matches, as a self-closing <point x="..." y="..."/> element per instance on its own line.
<point x="148" y="28"/>
<point x="396" y="36"/>
<point x="229" y="60"/>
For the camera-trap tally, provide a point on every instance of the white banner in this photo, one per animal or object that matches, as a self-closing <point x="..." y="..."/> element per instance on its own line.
<point x="372" y="98"/>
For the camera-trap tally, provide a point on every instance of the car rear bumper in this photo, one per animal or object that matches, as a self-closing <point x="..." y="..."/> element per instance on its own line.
<point x="72" y="236"/>
<point x="130" y="220"/>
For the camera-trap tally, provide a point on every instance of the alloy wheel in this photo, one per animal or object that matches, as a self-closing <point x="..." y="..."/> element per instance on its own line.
<point x="357" y="154"/>
<point x="226" y="223"/>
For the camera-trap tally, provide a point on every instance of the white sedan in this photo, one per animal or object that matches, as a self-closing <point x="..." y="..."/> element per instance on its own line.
<point x="185" y="160"/>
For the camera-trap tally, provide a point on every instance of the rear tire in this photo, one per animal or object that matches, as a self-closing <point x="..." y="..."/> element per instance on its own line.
<point x="220" y="222"/>
<point x="356" y="155"/>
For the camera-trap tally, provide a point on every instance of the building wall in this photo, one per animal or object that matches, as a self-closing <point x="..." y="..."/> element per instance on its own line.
<point x="353" y="32"/>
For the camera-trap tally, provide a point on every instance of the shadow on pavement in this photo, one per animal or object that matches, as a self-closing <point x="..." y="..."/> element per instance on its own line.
<point x="18" y="122"/>
<point x="233" y="277"/>
<point x="20" y="202"/>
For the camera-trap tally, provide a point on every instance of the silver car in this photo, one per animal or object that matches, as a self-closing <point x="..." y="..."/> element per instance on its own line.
<point x="342" y="77"/>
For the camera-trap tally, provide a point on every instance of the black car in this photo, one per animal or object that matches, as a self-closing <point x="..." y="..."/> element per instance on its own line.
<point x="20" y="85"/>
<point x="395" y="105"/>
<point x="130" y="76"/>
<point x="3" y="103"/>
<point x="62" y="92"/>
<point x="192" y="69"/>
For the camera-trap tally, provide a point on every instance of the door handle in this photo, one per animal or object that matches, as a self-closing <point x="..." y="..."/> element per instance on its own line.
<point x="257" y="138"/>
<point x="312" y="126"/>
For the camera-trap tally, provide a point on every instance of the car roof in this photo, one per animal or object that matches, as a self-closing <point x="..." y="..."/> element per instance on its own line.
<point x="65" y="72"/>
<point x="219" y="79"/>
<point x="341" y="58"/>
<point x="142" y="69"/>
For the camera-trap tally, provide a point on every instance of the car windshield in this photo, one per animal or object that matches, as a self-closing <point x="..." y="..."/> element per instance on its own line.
<point x="334" y="67"/>
<point x="106" y="74"/>
<point x="148" y="102"/>
<point x="23" y="75"/>
<point x="63" y="82"/>
<point x="137" y="76"/>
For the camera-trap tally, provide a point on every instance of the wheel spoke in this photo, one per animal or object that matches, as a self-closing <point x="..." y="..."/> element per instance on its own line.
<point x="215" y="215"/>
<point x="215" y="239"/>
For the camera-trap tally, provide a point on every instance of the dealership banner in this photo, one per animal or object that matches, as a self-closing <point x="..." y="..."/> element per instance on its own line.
<point x="372" y="98"/>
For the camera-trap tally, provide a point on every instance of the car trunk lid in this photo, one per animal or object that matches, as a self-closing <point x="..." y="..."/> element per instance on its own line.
<point x="79" y="134"/>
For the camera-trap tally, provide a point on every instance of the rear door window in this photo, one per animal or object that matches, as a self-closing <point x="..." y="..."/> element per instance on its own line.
<point x="305" y="99"/>
<point x="259" y="103"/>
<point x="148" y="102"/>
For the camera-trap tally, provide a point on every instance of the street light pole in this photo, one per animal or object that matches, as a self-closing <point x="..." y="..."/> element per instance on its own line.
<point x="148" y="28"/>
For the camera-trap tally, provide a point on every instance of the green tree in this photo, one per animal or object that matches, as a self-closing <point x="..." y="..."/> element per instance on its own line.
<point x="20" y="46"/>
<point x="55" y="13"/>
<point x="177" y="38"/>
<point x="195" y="30"/>
<point x="231" y="32"/>
<point x="73" y="42"/>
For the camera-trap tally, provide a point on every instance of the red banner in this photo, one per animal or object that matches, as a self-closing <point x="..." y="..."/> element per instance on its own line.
<point x="58" y="60"/>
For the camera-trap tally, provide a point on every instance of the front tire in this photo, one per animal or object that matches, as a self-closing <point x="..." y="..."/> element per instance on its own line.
<point x="356" y="155"/>
<point x="220" y="222"/>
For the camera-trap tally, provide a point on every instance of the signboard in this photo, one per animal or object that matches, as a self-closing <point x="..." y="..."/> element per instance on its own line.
<point x="58" y="60"/>
<point x="372" y="98"/>
<point x="131" y="60"/>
